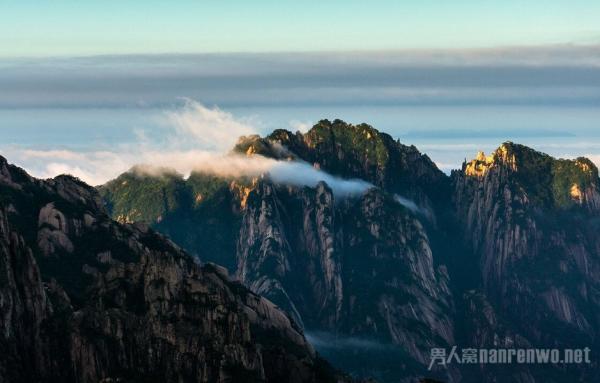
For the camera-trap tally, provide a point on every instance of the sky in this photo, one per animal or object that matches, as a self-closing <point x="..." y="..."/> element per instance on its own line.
<point x="91" y="87"/>
<point x="543" y="75"/>
<point x="43" y="28"/>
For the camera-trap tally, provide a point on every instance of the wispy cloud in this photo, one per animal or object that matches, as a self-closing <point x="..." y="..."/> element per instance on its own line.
<point x="330" y="341"/>
<point x="211" y="128"/>
<point x="200" y="140"/>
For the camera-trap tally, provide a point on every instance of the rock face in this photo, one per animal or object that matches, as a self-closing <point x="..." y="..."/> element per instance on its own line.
<point x="359" y="267"/>
<point x="356" y="267"/>
<point x="86" y="299"/>
<point x="531" y="221"/>
<point x="504" y="253"/>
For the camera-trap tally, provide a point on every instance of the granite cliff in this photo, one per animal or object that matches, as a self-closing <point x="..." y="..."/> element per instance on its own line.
<point x="86" y="299"/>
<point x="531" y="222"/>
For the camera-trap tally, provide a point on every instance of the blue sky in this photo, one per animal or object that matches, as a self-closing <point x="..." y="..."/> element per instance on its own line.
<point x="75" y="28"/>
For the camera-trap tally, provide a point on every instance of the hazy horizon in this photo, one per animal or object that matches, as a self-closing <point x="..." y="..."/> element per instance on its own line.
<point x="449" y="103"/>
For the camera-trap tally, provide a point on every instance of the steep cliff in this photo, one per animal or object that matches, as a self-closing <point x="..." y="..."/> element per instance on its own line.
<point x="335" y="265"/>
<point x="504" y="253"/>
<point x="86" y="299"/>
<point x="531" y="222"/>
<point x="359" y="266"/>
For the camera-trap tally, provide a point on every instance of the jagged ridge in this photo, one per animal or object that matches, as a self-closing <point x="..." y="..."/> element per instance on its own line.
<point x="86" y="299"/>
<point x="511" y="260"/>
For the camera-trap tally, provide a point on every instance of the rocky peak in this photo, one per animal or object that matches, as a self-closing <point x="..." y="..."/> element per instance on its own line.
<point x="12" y="175"/>
<point x="356" y="151"/>
<point x="500" y="197"/>
<point x="530" y="220"/>
<point x="544" y="181"/>
<point x="481" y="164"/>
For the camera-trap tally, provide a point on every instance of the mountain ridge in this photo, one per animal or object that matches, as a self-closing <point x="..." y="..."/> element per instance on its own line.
<point x="510" y="235"/>
<point x="87" y="299"/>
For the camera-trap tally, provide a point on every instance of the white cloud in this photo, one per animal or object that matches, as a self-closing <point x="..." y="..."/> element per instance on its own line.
<point x="302" y="174"/>
<point x="212" y="129"/>
<point x="303" y="127"/>
<point x="200" y="139"/>
<point x="98" y="167"/>
<point x="409" y="204"/>
<point x="330" y="341"/>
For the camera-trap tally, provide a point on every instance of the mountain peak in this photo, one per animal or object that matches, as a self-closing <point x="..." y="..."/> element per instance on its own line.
<point x="353" y="151"/>
<point x="482" y="163"/>
<point x="548" y="181"/>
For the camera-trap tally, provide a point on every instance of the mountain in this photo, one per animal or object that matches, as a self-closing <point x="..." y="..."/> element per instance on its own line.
<point x="532" y="224"/>
<point x="502" y="253"/>
<point x="86" y="299"/>
<point x="355" y="267"/>
<point x="357" y="151"/>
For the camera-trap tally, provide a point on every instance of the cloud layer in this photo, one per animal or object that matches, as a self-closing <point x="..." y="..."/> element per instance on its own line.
<point x="548" y="75"/>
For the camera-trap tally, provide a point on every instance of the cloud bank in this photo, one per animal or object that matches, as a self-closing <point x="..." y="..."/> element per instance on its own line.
<point x="542" y="75"/>
<point x="199" y="140"/>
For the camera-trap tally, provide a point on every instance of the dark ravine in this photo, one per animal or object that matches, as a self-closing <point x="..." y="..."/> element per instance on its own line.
<point x="86" y="299"/>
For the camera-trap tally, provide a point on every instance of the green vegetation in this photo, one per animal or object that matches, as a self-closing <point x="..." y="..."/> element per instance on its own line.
<point x="534" y="172"/>
<point x="204" y="186"/>
<point x="360" y="141"/>
<point x="548" y="181"/>
<point x="136" y="196"/>
<point x="198" y="213"/>
<point x="355" y="151"/>
<point x="566" y="173"/>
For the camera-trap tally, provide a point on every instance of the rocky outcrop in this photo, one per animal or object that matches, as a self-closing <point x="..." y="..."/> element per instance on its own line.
<point x="536" y="244"/>
<point x="83" y="298"/>
<point x="387" y="253"/>
<point x="358" y="266"/>
<point x="285" y="250"/>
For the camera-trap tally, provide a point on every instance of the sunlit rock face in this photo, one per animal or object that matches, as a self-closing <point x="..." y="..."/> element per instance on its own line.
<point x="86" y="299"/>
